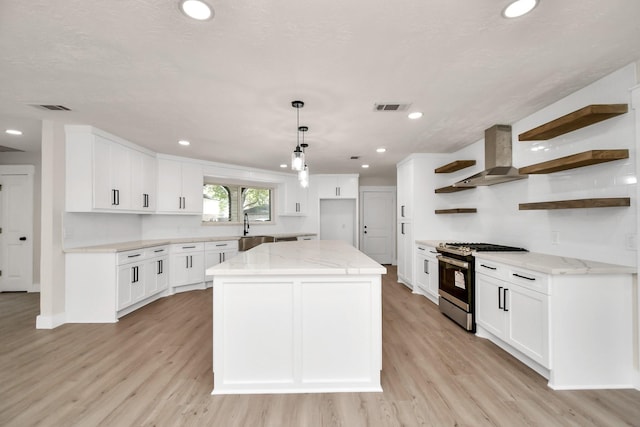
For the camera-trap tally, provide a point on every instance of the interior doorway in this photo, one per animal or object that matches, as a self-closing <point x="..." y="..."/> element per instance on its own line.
<point x="378" y="237"/>
<point x="16" y="228"/>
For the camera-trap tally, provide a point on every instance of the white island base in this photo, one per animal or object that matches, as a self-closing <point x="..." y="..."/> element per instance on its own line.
<point x="297" y="317"/>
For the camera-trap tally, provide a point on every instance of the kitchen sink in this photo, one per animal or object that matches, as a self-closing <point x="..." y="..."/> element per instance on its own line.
<point x="247" y="242"/>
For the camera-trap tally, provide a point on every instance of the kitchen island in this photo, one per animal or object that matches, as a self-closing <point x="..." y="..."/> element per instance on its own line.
<point x="297" y="317"/>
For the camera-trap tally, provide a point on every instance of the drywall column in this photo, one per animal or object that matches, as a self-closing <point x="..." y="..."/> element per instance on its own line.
<point x="52" y="274"/>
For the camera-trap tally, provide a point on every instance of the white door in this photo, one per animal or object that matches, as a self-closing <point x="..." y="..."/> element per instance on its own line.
<point x="16" y="232"/>
<point x="377" y="225"/>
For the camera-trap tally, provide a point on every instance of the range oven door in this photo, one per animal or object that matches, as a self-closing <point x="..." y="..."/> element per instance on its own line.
<point x="456" y="281"/>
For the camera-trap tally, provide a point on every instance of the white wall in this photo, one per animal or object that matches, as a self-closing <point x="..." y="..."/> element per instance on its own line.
<point x="30" y="158"/>
<point x="600" y="234"/>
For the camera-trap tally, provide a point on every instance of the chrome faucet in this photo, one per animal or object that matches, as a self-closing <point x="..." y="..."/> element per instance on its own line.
<point x="246" y="223"/>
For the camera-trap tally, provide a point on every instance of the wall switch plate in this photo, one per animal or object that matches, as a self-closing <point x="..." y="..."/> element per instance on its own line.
<point x="555" y="237"/>
<point x="630" y="241"/>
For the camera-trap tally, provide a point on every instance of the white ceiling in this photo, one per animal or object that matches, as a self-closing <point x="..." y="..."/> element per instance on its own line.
<point x="145" y="72"/>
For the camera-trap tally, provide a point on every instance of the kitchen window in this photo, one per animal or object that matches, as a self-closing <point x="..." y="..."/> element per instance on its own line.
<point x="227" y="203"/>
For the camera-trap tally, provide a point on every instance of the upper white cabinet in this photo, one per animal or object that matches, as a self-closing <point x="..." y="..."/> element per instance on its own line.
<point x="105" y="173"/>
<point x="143" y="191"/>
<point x="179" y="187"/>
<point x="293" y="198"/>
<point x="405" y="190"/>
<point x="337" y="186"/>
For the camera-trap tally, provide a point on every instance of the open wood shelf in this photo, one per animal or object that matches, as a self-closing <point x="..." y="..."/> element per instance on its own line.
<point x="451" y="189"/>
<point x="579" y="160"/>
<point x="577" y="204"/>
<point x="578" y="119"/>
<point x="455" y="166"/>
<point x="456" y="211"/>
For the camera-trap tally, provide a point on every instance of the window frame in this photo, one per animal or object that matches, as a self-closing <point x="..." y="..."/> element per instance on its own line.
<point x="235" y="190"/>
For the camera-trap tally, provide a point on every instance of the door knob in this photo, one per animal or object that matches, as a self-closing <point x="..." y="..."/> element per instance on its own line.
<point x="23" y="238"/>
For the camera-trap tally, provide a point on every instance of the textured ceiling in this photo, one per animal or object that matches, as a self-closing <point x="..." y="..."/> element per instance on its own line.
<point x="145" y="72"/>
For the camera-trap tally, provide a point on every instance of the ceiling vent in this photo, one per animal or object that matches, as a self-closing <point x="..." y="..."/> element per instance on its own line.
<point x="52" y="107"/>
<point x="4" y="149"/>
<point x="391" y="106"/>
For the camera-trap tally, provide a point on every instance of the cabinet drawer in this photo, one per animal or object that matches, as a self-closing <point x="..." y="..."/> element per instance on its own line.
<point x="187" y="247"/>
<point x="226" y="245"/>
<point x="492" y="269"/>
<point x="157" y="251"/>
<point x="533" y="280"/>
<point x="131" y="256"/>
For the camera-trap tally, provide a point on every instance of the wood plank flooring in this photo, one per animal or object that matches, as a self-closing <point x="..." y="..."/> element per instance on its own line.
<point x="153" y="368"/>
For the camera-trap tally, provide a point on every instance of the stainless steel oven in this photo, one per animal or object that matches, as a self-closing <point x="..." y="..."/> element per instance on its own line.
<point x="456" y="266"/>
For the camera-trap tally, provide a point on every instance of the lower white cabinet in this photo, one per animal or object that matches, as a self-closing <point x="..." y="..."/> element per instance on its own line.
<point x="405" y="254"/>
<point x="217" y="252"/>
<point x="100" y="287"/>
<point x="141" y="274"/>
<point x="187" y="266"/>
<point x="426" y="272"/>
<point x="515" y="314"/>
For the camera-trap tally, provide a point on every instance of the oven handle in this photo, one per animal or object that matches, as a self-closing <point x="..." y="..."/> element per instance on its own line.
<point x="452" y="261"/>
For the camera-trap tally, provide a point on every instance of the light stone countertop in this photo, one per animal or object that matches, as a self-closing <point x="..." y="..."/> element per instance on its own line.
<point x="552" y="264"/>
<point x="143" y="244"/>
<point x="307" y="257"/>
<point x="432" y="243"/>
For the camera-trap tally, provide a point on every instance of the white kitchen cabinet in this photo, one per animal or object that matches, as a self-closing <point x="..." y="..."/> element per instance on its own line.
<point x="405" y="254"/>
<point x="105" y="173"/>
<point x="515" y="313"/>
<point x="179" y="187"/>
<point x="337" y="186"/>
<point x="217" y="252"/>
<point x="187" y="266"/>
<point x="143" y="183"/>
<point x="426" y="272"/>
<point x="157" y="270"/>
<point x="141" y="274"/>
<point x="405" y="184"/>
<point x="293" y="198"/>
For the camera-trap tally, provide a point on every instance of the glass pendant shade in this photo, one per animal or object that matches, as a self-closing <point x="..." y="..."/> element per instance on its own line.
<point x="297" y="159"/>
<point x="303" y="175"/>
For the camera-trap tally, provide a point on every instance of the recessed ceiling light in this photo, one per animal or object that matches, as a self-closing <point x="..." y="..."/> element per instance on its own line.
<point x="196" y="9"/>
<point x="415" y="115"/>
<point x="365" y="166"/>
<point x="13" y="132"/>
<point x="381" y="150"/>
<point x="284" y="165"/>
<point x="184" y="142"/>
<point x="519" y="8"/>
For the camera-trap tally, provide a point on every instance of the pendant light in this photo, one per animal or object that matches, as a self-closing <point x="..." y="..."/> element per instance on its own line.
<point x="297" y="157"/>
<point x="303" y="175"/>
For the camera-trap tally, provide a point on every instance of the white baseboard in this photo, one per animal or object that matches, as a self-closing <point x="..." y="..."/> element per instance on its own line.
<point x="50" y="322"/>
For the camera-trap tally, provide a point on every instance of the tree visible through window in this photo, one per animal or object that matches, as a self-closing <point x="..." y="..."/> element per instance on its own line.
<point x="229" y="203"/>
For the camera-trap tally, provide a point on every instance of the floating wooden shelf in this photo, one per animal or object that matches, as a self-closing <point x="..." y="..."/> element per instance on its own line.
<point x="579" y="160"/>
<point x="452" y="189"/>
<point x="577" y="204"/>
<point x="455" y="166"/>
<point x="456" y="211"/>
<point x="578" y="119"/>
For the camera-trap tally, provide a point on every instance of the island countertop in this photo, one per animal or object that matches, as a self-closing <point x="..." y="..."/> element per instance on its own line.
<point x="307" y="257"/>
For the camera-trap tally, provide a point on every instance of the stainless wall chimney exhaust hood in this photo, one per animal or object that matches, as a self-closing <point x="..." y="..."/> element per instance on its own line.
<point x="497" y="160"/>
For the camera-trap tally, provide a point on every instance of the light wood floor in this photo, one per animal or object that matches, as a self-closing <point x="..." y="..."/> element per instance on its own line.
<point x="154" y="368"/>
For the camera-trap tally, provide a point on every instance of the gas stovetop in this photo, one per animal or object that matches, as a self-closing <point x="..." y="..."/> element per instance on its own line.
<point x="467" y="249"/>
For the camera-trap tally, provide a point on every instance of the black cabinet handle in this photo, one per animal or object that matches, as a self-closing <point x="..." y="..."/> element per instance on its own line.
<point x="159" y="250"/>
<point x="23" y="238"/>
<point x="188" y="247"/>
<point x="420" y="249"/>
<point x="117" y="197"/>
<point x="113" y="197"/>
<point x="402" y="228"/>
<point x="426" y="266"/>
<point x="222" y="244"/>
<point x="524" y="277"/>
<point x="505" y="299"/>
<point x="159" y="266"/>
<point x="486" y="266"/>
<point x="402" y="211"/>
<point x="500" y="297"/>
<point x="133" y="256"/>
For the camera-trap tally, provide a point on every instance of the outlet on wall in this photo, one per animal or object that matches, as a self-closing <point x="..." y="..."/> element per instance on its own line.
<point x="555" y="237"/>
<point x="630" y="241"/>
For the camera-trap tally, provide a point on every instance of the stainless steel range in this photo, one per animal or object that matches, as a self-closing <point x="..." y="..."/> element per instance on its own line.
<point x="457" y="279"/>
